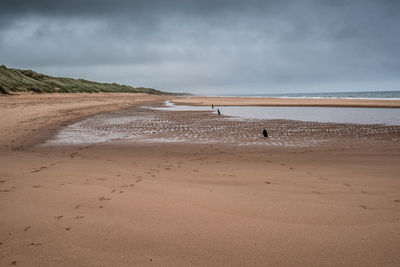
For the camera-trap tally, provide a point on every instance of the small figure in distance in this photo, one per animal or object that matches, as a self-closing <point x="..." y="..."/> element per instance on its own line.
<point x="219" y="113"/>
<point x="265" y="133"/>
<point x="212" y="106"/>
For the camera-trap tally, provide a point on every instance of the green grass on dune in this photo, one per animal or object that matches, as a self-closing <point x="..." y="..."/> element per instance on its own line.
<point x="16" y="80"/>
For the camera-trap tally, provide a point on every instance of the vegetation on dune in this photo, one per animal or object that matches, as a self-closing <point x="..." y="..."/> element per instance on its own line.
<point x="3" y="91"/>
<point x="16" y="80"/>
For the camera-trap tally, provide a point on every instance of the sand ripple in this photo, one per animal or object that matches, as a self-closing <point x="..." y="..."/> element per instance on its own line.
<point x="141" y="124"/>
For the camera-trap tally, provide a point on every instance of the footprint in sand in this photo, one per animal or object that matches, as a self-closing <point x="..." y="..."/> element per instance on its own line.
<point x="268" y="182"/>
<point x="365" y="207"/>
<point x="74" y="155"/>
<point x="40" y="169"/>
<point x="366" y="192"/>
<point x="35" y="244"/>
<point x="36" y="186"/>
<point x="86" y="147"/>
<point x="59" y="217"/>
<point x="79" y="217"/>
<point x="104" y="198"/>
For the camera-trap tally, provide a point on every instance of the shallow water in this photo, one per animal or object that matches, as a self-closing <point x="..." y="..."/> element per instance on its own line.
<point x="387" y="116"/>
<point x="202" y="125"/>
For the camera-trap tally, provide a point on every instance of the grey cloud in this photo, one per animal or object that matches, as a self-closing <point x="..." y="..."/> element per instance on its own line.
<point x="198" y="45"/>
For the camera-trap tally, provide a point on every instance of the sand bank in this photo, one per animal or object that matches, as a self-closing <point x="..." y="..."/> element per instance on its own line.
<point x="184" y="204"/>
<point x="298" y="102"/>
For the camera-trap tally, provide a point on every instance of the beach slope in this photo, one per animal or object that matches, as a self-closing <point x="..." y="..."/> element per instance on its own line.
<point x="185" y="204"/>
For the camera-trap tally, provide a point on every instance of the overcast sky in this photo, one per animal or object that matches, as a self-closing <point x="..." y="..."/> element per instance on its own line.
<point x="209" y="47"/>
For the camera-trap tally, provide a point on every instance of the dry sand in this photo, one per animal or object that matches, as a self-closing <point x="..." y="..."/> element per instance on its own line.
<point x="306" y="102"/>
<point x="181" y="204"/>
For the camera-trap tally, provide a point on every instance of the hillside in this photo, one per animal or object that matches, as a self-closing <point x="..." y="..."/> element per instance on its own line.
<point x="16" y="80"/>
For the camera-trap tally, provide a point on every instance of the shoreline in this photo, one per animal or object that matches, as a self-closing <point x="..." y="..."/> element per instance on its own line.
<point x="48" y="113"/>
<point x="70" y="108"/>
<point x="285" y="102"/>
<point x="195" y="126"/>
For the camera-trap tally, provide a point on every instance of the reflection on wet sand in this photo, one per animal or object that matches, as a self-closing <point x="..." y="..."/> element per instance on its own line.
<point x="153" y="125"/>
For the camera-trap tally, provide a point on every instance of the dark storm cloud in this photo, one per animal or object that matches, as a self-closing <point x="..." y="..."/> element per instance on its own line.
<point x="261" y="46"/>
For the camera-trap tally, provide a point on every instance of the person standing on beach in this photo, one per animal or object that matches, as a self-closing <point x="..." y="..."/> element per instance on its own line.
<point x="219" y="113"/>
<point x="265" y="133"/>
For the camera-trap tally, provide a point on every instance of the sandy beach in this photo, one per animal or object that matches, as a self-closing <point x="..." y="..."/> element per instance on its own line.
<point x="126" y="203"/>
<point x="286" y="102"/>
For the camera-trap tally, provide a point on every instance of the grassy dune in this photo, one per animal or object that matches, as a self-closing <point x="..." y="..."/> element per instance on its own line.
<point x="16" y="80"/>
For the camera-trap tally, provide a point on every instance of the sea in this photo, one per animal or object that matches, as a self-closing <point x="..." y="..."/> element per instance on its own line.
<point x="395" y="95"/>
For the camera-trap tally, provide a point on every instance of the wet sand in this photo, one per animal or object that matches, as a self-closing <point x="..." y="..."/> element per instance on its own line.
<point x="130" y="203"/>
<point x="142" y="124"/>
<point x="28" y="119"/>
